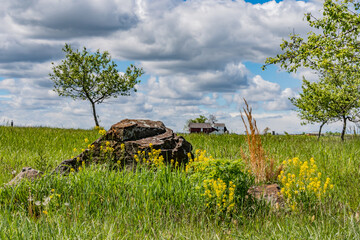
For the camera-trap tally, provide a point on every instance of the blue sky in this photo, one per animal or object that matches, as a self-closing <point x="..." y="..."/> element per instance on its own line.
<point x="201" y="57"/>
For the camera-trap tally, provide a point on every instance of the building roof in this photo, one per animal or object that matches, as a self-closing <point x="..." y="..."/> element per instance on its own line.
<point x="200" y="125"/>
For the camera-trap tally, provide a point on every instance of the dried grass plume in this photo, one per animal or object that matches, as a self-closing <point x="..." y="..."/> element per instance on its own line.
<point x="258" y="162"/>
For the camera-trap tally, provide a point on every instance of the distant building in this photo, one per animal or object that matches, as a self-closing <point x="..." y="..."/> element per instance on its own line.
<point x="215" y="128"/>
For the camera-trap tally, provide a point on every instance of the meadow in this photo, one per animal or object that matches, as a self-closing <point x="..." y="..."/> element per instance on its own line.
<point x="170" y="203"/>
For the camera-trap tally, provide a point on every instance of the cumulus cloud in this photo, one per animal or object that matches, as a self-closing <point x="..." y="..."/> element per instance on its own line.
<point x="31" y="70"/>
<point x="263" y="94"/>
<point x="16" y="50"/>
<point x="200" y="35"/>
<point x="261" y="90"/>
<point x="166" y="36"/>
<point x="306" y="73"/>
<point x="193" y="52"/>
<point x="69" y="19"/>
<point x="193" y="86"/>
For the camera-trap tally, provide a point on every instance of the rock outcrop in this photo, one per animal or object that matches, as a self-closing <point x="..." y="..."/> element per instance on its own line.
<point x="26" y="173"/>
<point x="125" y="139"/>
<point x="268" y="192"/>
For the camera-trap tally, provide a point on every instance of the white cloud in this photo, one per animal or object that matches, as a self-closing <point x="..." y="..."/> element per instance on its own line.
<point x="261" y="90"/>
<point x="307" y="73"/>
<point x="281" y="102"/>
<point x="200" y="35"/>
<point x="193" y="51"/>
<point x="30" y="70"/>
<point x="68" y="19"/>
<point x="263" y="94"/>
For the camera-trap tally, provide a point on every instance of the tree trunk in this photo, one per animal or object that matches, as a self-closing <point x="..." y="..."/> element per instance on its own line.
<point x="94" y="113"/>
<point x="344" y="129"/>
<point x="321" y="126"/>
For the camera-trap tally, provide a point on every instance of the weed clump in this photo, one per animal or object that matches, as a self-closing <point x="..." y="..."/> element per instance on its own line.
<point x="258" y="162"/>
<point x="224" y="182"/>
<point x="303" y="184"/>
<point x="152" y="159"/>
<point x="219" y="194"/>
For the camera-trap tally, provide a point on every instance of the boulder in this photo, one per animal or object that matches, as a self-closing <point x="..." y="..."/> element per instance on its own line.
<point x="26" y="173"/>
<point x="134" y="136"/>
<point x="268" y="192"/>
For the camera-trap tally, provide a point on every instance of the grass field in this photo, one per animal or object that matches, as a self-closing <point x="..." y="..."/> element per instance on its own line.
<point x="166" y="204"/>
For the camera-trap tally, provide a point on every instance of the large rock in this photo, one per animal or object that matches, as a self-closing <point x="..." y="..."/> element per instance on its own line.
<point x="26" y="173"/>
<point x="136" y="135"/>
<point x="268" y="192"/>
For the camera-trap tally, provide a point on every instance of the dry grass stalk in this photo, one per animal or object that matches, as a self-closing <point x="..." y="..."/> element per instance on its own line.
<point x="260" y="165"/>
<point x="30" y="210"/>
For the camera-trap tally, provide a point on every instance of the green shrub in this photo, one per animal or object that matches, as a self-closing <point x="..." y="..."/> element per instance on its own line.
<point x="303" y="185"/>
<point x="219" y="176"/>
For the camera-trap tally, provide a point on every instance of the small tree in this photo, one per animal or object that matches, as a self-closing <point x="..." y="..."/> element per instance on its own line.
<point x="92" y="77"/>
<point x="323" y="102"/>
<point x="200" y="119"/>
<point x="313" y="104"/>
<point x="212" y="119"/>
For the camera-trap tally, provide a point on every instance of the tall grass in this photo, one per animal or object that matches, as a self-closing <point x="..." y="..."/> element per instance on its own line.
<point x="335" y="159"/>
<point x="100" y="204"/>
<point x="41" y="148"/>
<point x="260" y="164"/>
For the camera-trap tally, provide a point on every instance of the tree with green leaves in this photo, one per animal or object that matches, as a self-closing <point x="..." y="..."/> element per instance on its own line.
<point x="333" y="53"/>
<point x="93" y="77"/>
<point x="314" y="104"/>
<point x="200" y="119"/>
<point x="344" y="96"/>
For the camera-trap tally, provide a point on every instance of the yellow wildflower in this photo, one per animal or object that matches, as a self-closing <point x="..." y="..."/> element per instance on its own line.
<point x="299" y="179"/>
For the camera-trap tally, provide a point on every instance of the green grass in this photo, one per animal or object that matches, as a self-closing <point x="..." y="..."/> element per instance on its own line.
<point x="166" y="204"/>
<point x="41" y="148"/>
<point x="338" y="160"/>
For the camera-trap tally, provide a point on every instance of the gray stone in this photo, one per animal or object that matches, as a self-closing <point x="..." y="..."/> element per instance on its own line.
<point x="268" y="192"/>
<point x="136" y="135"/>
<point x="26" y="173"/>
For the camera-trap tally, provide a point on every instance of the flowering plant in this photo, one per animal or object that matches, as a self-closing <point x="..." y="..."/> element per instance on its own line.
<point x="224" y="181"/>
<point x="303" y="183"/>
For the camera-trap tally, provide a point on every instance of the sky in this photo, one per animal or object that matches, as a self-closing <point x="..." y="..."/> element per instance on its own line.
<point x="200" y="57"/>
